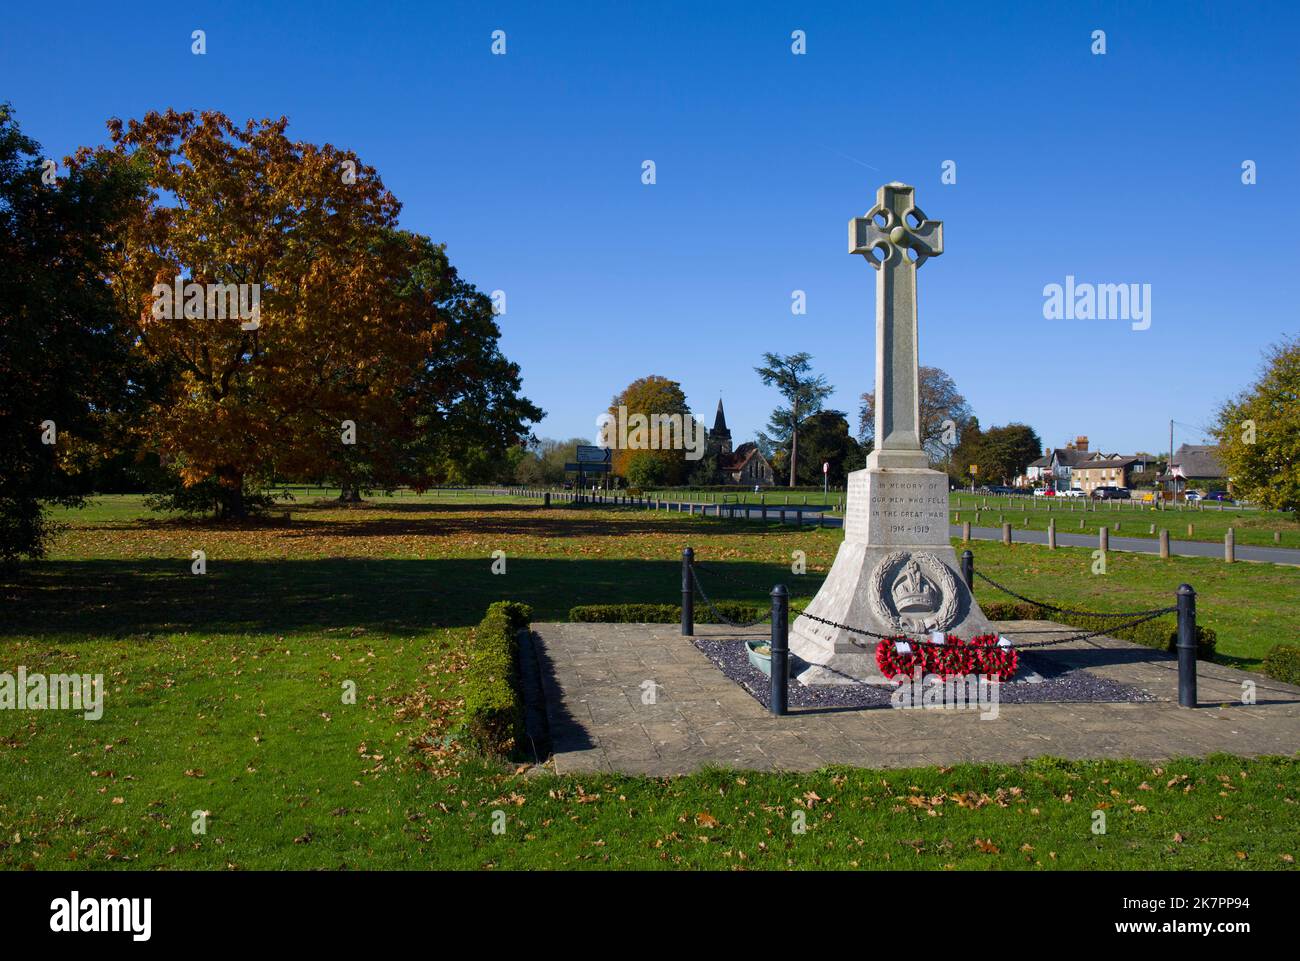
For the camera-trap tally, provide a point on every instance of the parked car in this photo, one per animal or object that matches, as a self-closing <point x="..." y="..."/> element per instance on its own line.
<point x="1072" y="492"/>
<point x="1001" y="489"/>
<point x="1221" y="496"/>
<point x="1040" y="492"/>
<point x="1192" y="497"/>
<point x="1110" y="493"/>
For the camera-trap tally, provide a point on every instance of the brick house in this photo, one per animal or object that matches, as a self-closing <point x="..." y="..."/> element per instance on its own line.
<point x="1055" y="468"/>
<point x="1105" y="470"/>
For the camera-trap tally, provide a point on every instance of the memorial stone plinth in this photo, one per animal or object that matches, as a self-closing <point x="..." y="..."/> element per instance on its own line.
<point x="896" y="572"/>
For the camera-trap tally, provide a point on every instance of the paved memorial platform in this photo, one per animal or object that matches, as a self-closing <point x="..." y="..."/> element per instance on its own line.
<point x="594" y="676"/>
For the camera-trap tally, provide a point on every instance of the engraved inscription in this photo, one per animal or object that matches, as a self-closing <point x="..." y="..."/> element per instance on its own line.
<point x="887" y="508"/>
<point x="907" y="507"/>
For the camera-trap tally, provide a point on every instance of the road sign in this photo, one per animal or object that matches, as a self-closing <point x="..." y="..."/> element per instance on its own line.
<point x="583" y="467"/>
<point x="826" y="467"/>
<point x="974" y="468"/>
<point x="591" y="454"/>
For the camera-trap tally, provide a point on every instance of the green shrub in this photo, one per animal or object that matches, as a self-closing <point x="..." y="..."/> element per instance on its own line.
<point x="668" y="613"/>
<point x="494" y="712"/>
<point x="1282" y="663"/>
<point x="625" y="614"/>
<point x="1160" y="633"/>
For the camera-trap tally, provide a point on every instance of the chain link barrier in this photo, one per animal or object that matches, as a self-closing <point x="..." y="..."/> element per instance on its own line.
<point x="722" y="618"/>
<point x="1138" y="618"/>
<point x="1019" y="645"/>
<point x="1066" y="610"/>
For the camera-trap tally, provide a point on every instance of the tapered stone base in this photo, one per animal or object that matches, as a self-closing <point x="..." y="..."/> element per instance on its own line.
<point x="895" y="573"/>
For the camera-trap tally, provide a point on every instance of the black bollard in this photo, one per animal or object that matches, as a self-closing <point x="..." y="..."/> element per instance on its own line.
<point x="968" y="570"/>
<point x="688" y="594"/>
<point x="1186" y="646"/>
<point x="780" y="649"/>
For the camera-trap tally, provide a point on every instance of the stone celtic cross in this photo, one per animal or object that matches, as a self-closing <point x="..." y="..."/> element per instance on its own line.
<point x="896" y="238"/>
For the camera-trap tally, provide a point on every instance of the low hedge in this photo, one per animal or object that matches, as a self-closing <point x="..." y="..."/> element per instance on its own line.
<point x="666" y="613"/>
<point x="1160" y="633"/>
<point x="1282" y="663"/>
<point x="494" y="709"/>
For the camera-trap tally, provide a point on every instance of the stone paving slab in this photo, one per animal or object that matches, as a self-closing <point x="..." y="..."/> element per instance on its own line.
<point x="594" y="675"/>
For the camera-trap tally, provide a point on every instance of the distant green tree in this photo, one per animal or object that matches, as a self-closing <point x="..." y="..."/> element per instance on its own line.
<point x="646" y="470"/>
<point x="1259" y="433"/>
<point x="67" y="373"/>
<point x="1006" y="451"/>
<point x="824" y="438"/>
<point x="705" y="471"/>
<point x="970" y="450"/>
<point x="804" y="394"/>
<point x="544" y="460"/>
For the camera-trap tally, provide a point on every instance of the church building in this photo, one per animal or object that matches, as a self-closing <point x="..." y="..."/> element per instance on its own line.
<point x="744" y="466"/>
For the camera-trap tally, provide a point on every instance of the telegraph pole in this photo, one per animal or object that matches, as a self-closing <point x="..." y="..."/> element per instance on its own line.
<point x="1169" y="467"/>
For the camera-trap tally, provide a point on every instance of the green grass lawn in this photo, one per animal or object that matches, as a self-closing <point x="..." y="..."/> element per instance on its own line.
<point x="224" y="695"/>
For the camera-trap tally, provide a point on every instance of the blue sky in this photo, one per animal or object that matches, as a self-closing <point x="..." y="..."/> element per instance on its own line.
<point x="1122" y="168"/>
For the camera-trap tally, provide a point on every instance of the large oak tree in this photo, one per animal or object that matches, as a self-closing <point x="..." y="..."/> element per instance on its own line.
<point x="369" y="363"/>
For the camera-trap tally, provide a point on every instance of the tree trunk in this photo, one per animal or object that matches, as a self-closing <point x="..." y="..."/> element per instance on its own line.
<point x="794" y="438"/>
<point x="794" y="449"/>
<point x="350" y="495"/>
<point x="230" y="505"/>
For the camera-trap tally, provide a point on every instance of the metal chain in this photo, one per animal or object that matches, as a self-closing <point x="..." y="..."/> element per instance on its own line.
<point x="714" y="572"/>
<point x="861" y="630"/>
<point x="1140" y="617"/>
<point x="1147" y="616"/>
<point x="1102" y="632"/>
<point x="717" y="613"/>
<point x="1066" y="610"/>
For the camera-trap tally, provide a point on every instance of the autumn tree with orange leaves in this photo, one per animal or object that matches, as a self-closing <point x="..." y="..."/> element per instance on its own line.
<point x="369" y="361"/>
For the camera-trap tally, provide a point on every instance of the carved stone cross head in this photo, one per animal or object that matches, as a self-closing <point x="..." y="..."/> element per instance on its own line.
<point x="895" y="227"/>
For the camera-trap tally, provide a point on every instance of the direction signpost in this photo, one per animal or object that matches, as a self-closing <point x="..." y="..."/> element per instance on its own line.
<point x="591" y="460"/>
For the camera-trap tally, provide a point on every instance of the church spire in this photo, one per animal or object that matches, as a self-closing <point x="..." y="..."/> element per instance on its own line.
<point x="719" y="439"/>
<point x="720" y="420"/>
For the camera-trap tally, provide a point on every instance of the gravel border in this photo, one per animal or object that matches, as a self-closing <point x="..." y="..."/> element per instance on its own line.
<point x="1059" y="684"/>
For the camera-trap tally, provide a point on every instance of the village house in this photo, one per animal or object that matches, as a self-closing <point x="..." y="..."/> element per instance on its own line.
<point x="1105" y="470"/>
<point x="1195" y="466"/>
<point x="1055" y="468"/>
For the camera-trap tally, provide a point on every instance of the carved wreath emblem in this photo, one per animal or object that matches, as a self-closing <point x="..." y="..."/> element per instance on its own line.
<point x="914" y="592"/>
